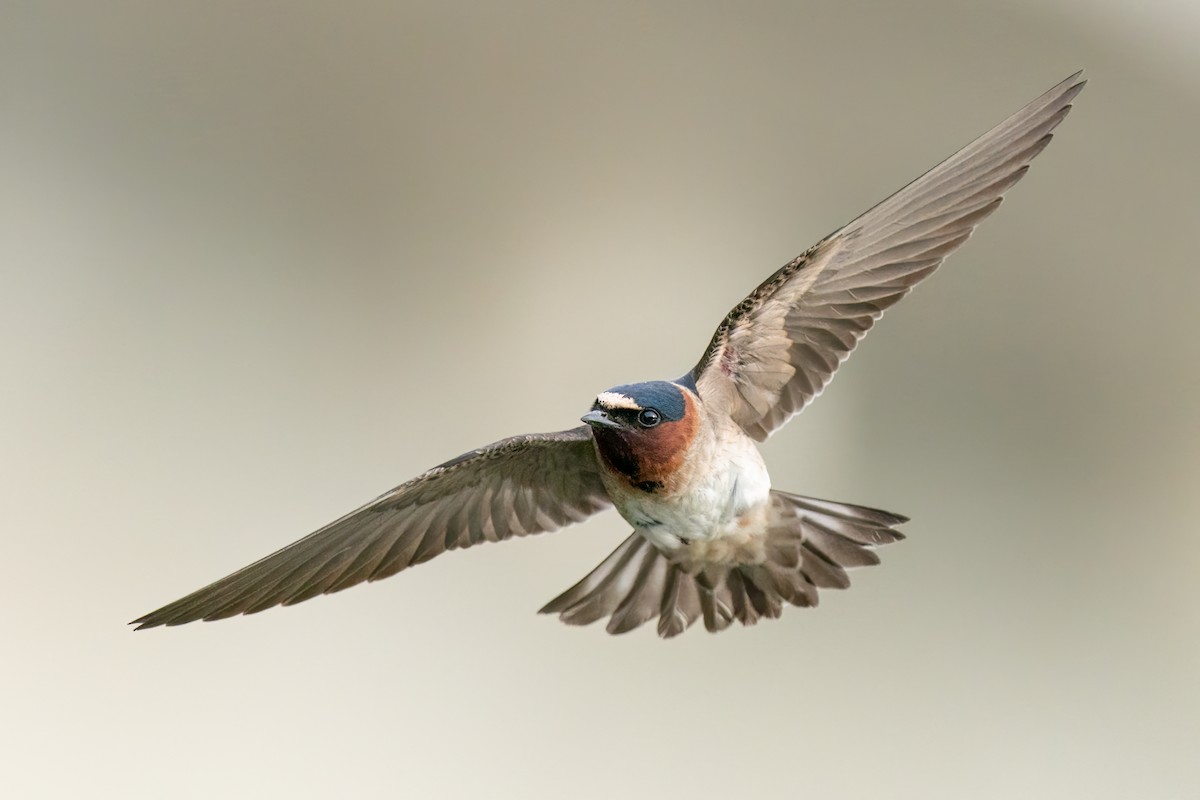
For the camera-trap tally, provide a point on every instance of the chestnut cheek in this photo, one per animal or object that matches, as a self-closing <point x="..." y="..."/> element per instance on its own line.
<point x="660" y="451"/>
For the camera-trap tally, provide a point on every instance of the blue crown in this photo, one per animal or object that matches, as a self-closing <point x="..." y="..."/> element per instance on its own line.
<point x="663" y="396"/>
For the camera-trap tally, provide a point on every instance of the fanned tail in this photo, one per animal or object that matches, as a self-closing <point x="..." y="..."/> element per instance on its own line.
<point x="809" y="545"/>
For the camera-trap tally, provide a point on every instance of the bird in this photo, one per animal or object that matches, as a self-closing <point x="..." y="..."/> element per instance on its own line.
<point x="712" y="539"/>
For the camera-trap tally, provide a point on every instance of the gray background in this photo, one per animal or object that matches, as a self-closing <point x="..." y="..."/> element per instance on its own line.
<point x="261" y="262"/>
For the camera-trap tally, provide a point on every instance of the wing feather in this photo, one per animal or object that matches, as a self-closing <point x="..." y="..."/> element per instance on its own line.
<point x="515" y="487"/>
<point x="779" y="348"/>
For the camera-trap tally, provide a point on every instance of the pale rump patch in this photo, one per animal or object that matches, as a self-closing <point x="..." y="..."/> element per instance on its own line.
<point x="742" y="540"/>
<point x="612" y="400"/>
<point x="728" y="551"/>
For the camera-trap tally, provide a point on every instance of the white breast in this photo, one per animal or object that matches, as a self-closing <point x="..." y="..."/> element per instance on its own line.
<point x="724" y="491"/>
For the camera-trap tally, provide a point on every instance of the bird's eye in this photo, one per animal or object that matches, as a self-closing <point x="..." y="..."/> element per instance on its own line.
<point x="649" y="418"/>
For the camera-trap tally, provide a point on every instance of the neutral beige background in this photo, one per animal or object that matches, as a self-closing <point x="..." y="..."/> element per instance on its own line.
<point x="262" y="261"/>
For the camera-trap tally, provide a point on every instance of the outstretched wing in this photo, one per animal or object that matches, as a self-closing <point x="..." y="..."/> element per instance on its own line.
<point x="515" y="487"/>
<point x="779" y="347"/>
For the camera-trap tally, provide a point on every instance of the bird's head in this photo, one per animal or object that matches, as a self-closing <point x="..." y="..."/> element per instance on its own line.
<point x="643" y="430"/>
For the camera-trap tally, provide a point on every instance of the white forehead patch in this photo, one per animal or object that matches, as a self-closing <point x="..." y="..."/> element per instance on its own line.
<point x="613" y="400"/>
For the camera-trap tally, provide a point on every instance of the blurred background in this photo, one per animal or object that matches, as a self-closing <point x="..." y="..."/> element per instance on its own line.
<point x="260" y="262"/>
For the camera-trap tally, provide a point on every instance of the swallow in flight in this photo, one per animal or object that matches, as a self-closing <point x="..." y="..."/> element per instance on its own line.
<point x="711" y="539"/>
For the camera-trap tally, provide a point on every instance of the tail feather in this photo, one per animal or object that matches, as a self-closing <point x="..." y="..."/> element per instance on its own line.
<point x="622" y="580"/>
<point x="716" y="601"/>
<point x="810" y="545"/>
<point x="594" y="580"/>
<point x="644" y="600"/>
<point x="823" y="572"/>
<point x="680" y="604"/>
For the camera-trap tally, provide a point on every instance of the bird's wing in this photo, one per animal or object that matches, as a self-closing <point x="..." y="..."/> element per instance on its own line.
<point x="778" y="348"/>
<point x="515" y="487"/>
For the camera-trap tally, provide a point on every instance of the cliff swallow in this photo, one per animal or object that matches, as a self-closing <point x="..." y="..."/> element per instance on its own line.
<point x="678" y="459"/>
